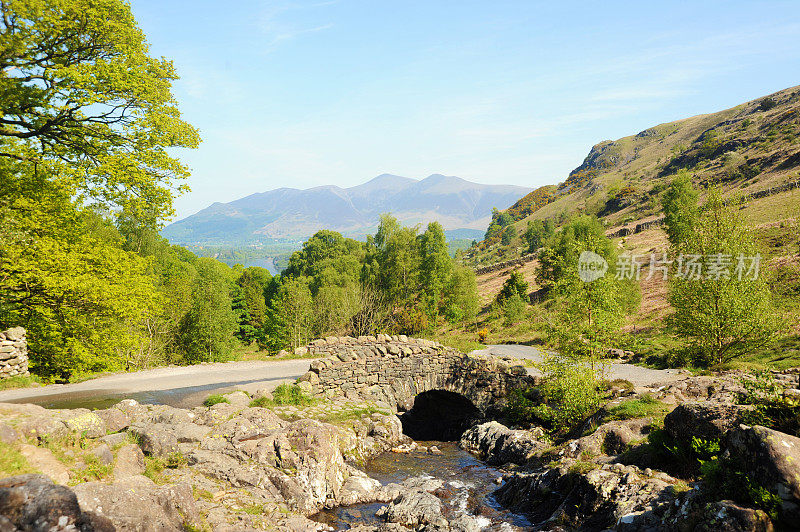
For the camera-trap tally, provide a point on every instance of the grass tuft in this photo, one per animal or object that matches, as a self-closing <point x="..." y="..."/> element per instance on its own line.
<point x="215" y="399"/>
<point x="644" y="406"/>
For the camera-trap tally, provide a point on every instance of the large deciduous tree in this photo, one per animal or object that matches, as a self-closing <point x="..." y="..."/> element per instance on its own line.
<point x="87" y="125"/>
<point x="85" y="106"/>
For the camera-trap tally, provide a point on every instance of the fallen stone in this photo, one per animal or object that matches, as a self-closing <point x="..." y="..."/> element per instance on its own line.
<point x="114" y="418"/>
<point x="702" y="420"/>
<point x="88" y="424"/>
<point x="130" y="462"/>
<point x="497" y="444"/>
<point x="103" y="454"/>
<point x="155" y="439"/>
<point x="238" y="399"/>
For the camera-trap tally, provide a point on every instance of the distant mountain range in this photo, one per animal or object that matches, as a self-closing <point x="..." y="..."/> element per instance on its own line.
<point x="462" y="207"/>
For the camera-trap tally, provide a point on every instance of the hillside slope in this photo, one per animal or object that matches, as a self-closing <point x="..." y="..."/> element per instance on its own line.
<point x="297" y="214"/>
<point x="748" y="148"/>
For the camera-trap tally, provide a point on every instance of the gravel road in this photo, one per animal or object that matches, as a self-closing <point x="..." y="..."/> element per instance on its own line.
<point x="180" y="386"/>
<point x="638" y="375"/>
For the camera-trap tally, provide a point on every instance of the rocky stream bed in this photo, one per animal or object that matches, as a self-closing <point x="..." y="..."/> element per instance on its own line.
<point x="344" y="463"/>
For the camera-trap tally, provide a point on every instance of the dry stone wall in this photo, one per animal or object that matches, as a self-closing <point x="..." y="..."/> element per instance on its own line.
<point x="481" y="270"/>
<point x="13" y="353"/>
<point x="394" y="369"/>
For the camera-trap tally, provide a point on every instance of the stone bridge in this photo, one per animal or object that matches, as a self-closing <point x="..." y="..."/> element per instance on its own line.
<point x="394" y="370"/>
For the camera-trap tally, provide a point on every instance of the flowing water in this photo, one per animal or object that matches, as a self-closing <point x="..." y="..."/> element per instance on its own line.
<point x="469" y="484"/>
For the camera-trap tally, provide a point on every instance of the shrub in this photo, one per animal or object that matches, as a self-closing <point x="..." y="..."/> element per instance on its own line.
<point x="514" y="285"/>
<point x="513" y="309"/>
<point x="482" y="335"/>
<point x="581" y="467"/>
<point x="215" y="399"/>
<point x="623" y="385"/>
<point x="520" y="407"/>
<point x="724" y="480"/>
<point x="570" y="393"/>
<point x="767" y="104"/>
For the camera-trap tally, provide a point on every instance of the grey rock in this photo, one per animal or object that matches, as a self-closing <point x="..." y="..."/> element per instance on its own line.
<point x="156" y="439"/>
<point x="415" y="509"/>
<point x="497" y="444"/>
<point x="114" y="419"/>
<point x="103" y="454"/>
<point x="771" y="459"/>
<point x="136" y="503"/>
<point x="130" y="462"/>
<point x="8" y="434"/>
<point x="702" y="420"/>
<point x="33" y="503"/>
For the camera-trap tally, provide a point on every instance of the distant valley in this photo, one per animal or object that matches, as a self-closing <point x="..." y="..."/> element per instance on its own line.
<point x="464" y="209"/>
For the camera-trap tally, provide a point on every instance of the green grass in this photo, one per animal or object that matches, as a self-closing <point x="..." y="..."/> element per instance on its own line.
<point x="782" y="354"/>
<point x="18" y="382"/>
<point x="581" y="467"/>
<point x="94" y="470"/>
<point x="283" y="395"/>
<point x="644" y="406"/>
<point x="215" y="399"/>
<point x="154" y="466"/>
<point x="348" y="415"/>
<point x="12" y="462"/>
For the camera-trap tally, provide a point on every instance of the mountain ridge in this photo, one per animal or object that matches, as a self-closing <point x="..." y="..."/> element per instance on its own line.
<point x="743" y="149"/>
<point x="292" y="213"/>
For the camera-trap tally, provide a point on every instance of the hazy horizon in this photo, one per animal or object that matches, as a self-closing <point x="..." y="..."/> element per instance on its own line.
<point x="303" y="94"/>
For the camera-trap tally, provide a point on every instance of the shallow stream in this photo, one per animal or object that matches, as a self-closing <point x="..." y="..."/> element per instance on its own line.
<point x="469" y="484"/>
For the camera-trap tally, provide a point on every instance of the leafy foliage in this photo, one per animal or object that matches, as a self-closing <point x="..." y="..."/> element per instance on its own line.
<point x="727" y="314"/>
<point x="537" y="233"/>
<point x="771" y="408"/>
<point x="87" y="130"/>
<point x="569" y="394"/>
<point x="644" y="406"/>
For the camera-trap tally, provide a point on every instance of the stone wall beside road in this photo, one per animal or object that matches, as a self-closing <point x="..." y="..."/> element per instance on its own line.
<point x="13" y="353"/>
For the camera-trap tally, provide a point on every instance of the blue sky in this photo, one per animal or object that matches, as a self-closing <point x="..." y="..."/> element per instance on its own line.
<point x="307" y="93"/>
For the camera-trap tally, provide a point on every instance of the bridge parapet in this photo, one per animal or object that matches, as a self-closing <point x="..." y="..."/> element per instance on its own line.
<point x="394" y="369"/>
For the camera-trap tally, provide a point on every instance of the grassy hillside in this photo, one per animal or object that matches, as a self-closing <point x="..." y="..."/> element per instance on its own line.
<point x="748" y="148"/>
